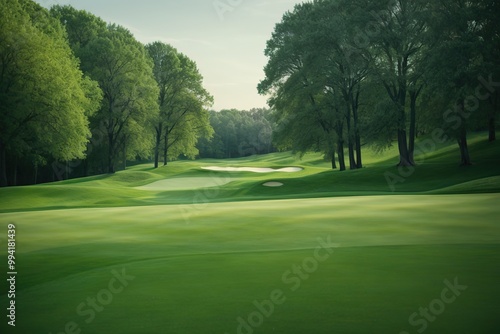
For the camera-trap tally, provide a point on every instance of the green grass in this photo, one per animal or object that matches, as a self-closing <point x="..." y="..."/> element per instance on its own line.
<point x="211" y="263"/>
<point x="200" y="258"/>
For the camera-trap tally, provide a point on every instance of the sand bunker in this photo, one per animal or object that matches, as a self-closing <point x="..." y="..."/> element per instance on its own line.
<point x="185" y="183"/>
<point x="273" y="184"/>
<point x="253" y="169"/>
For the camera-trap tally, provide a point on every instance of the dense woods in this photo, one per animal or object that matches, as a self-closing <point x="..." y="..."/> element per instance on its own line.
<point x="80" y="96"/>
<point x="351" y="73"/>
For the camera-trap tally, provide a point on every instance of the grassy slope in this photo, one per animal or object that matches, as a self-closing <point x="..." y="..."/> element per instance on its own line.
<point x="198" y="267"/>
<point x="438" y="173"/>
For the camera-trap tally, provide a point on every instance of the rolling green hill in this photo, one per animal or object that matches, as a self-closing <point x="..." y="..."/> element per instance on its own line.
<point x="328" y="252"/>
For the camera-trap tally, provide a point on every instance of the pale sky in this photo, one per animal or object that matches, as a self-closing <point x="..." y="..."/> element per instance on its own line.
<point x="226" y="38"/>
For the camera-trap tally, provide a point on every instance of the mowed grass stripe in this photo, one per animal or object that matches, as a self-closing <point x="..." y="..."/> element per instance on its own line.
<point x="81" y="240"/>
<point x="267" y="225"/>
<point x="355" y="289"/>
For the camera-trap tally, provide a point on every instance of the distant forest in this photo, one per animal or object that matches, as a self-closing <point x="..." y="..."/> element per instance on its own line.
<point x="238" y="134"/>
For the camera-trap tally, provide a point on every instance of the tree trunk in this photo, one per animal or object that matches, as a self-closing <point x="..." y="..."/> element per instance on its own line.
<point x="350" y="144"/>
<point x="3" y="165"/>
<point x="413" y="126"/>
<point x="111" y="153"/>
<point x="404" y="158"/>
<point x="359" y="161"/>
<point x="464" y="149"/>
<point x="340" y="152"/>
<point x="357" y="135"/>
<point x="340" y="145"/>
<point x="352" y="160"/>
<point x="159" y="131"/>
<point x="165" y="150"/>
<point x="332" y="152"/>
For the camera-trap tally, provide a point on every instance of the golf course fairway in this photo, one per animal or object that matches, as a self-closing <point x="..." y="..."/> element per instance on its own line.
<point x="324" y="253"/>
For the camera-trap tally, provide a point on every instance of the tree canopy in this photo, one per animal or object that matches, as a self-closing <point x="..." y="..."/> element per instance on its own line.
<point x="361" y="71"/>
<point x="45" y="98"/>
<point x="183" y="100"/>
<point x="84" y="96"/>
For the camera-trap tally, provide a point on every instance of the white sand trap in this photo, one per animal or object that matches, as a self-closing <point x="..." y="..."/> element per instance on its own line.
<point x="273" y="184"/>
<point x="253" y="169"/>
<point x="185" y="183"/>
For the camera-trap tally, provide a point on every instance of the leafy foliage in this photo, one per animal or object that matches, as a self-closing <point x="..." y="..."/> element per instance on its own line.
<point x="361" y="71"/>
<point x="183" y="100"/>
<point x="238" y="133"/>
<point x="119" y="63"/>
<point x="46" y="100"/>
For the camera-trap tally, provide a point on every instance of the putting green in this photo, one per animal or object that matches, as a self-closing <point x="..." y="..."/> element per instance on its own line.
<point x="185" y="183"/>
<point x="254" y="169"/>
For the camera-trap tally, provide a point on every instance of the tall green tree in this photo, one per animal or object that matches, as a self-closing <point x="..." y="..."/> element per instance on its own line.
<point x="120" y="64"/>
<point x="44" y="96"/>
<point x="398" y="49"/>
<point x="456" y="27"/>
<point x="344" y="64"/>
<point x="315" y="78"/>
<point x="183" y="102"/>
<point x="125" y="74"/>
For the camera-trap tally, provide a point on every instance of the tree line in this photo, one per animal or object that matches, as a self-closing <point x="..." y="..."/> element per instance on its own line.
<point x="80" y="96"/>
<point x="343" y="74"/>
